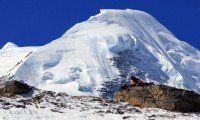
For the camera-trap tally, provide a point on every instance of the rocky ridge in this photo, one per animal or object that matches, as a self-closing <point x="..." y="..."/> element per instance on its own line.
<point x="160" y="96"/>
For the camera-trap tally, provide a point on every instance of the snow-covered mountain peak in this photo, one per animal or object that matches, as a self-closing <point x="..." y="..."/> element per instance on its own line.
<point x="9" y="45"/>
<point x="95" y="56"/>
<point x="131" y="19"/>
<point x="123" y="24"/>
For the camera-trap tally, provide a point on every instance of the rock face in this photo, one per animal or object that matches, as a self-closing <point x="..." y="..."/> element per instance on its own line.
<point x="160" y="96"/>
<point x="10" y="88"/>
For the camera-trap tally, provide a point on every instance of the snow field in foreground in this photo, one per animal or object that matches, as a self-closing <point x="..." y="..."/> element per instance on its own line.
<point x="52" y="106"/>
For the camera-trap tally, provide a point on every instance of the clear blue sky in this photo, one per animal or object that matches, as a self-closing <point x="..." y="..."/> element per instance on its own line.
<point x="38" y="22"/>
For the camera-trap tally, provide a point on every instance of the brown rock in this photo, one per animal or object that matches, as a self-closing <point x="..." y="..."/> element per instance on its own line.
<point x="160" y="96"/>
<point x="10" y="88"/>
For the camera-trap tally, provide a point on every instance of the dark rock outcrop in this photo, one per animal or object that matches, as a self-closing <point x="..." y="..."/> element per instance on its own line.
<point x="9" y="88"/>
<point x="160" y="96"/>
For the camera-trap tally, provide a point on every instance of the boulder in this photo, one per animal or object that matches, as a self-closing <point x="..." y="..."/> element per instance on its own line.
<point x="160" y="96"/>
<point x="9" y="88"/>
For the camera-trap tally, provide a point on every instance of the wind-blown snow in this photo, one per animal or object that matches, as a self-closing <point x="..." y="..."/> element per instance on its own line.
<point x="112" y="46"/>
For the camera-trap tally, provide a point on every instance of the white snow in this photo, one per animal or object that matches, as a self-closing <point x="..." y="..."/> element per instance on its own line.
<point x="11" y="56"/>
<point x="79" y="62"/>
<point x="9" y="45"/>
<point x="47" y="114"/>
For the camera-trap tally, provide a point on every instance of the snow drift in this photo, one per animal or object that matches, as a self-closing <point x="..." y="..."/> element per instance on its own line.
<point x="108" y="48"/>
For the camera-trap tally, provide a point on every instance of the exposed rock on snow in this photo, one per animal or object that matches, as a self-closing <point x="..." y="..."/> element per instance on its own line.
<point x="160" y="96"/>
<point x="9" y="88"/>
<point x="39" y="105"/>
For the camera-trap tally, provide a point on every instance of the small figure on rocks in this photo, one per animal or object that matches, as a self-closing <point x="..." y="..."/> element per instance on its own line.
<point x="135" y="81"/>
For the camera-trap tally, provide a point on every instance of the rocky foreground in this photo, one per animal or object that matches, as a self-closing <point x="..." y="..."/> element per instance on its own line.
<point x="50" y="105"/>
<point x="160" y="96"/>
<point x="37" y="104"/>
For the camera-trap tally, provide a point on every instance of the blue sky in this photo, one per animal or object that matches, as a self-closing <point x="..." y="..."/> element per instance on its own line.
<point x="38" y="22"/>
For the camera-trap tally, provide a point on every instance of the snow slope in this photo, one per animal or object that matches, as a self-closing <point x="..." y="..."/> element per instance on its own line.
<point x="95" y="56"/>
<point x="11" y="56"/>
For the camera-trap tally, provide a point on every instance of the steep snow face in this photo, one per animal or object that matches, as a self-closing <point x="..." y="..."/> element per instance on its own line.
<point x="95" y="56"/>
